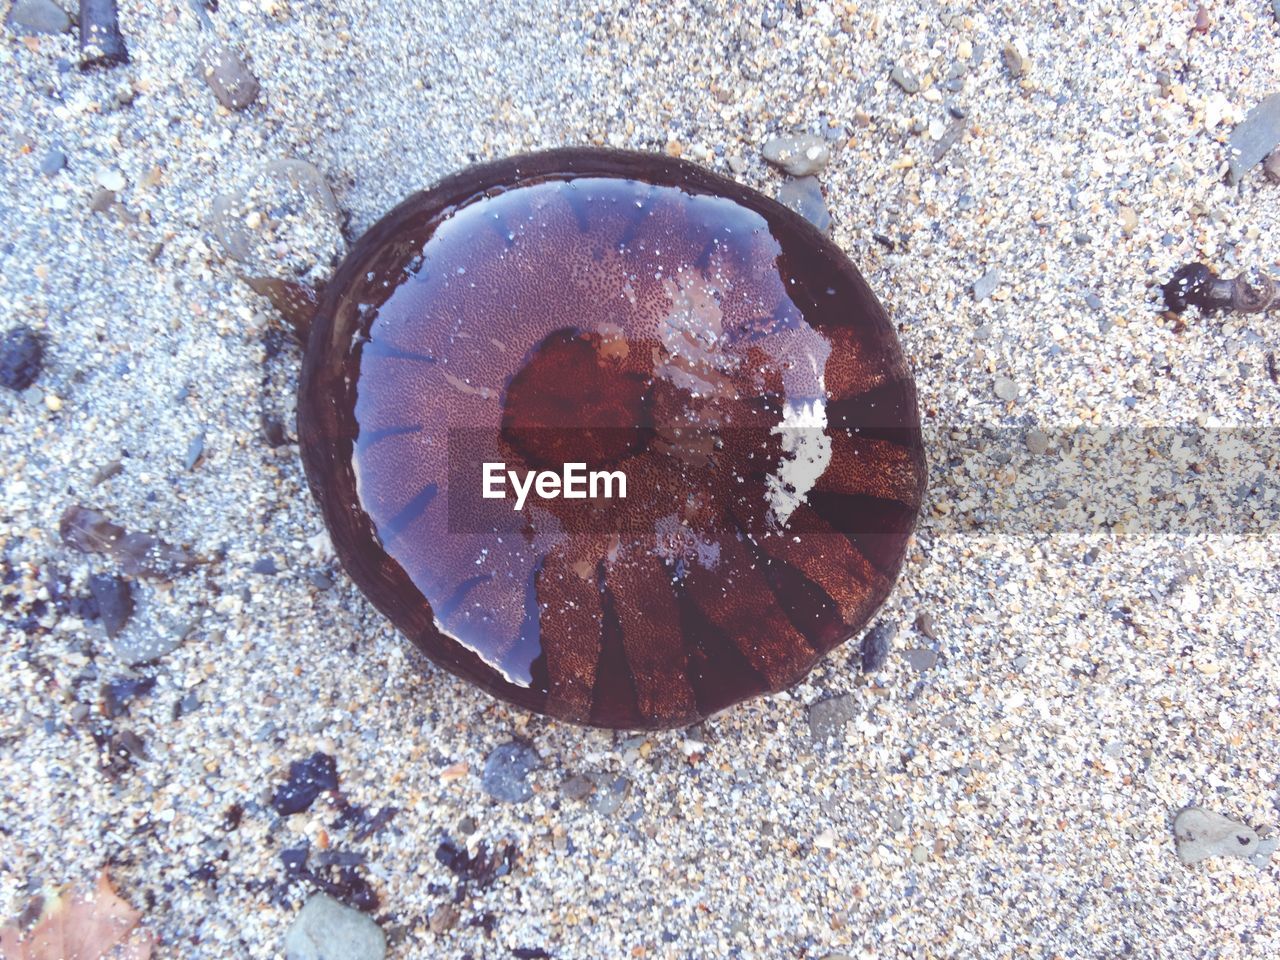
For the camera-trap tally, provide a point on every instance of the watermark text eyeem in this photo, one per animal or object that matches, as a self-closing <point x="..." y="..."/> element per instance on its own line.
<point x="573" y="482"/>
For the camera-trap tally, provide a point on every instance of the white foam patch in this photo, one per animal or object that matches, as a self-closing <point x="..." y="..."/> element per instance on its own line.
<point x="806" y="451"/>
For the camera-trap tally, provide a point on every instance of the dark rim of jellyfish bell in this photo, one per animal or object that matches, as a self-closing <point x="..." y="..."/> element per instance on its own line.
<point x="326" y="391"/>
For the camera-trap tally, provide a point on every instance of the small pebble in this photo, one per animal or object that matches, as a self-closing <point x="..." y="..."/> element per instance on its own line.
<point x="1201" y="833"/>
<point x="1093" y="301"/>
<point x="187" y="705"/>
<point x="1253" y="138"/>
<point x="804" y="196"/>
<point x="307" y="780"/>
<point x="32" y="17"/>
<point x="114" y="597"/>
<point x="876" y="643"/>
<point x="195" y="451"/>
<point x="1006" y="389"/>
<point x="1263" y="852"/>
<point x="136" y="647"/>
<point x="328" y="930"/>
<point x="117" y="694"/>
<point x="305" y="237"/>
<point x="53" y="162"/>
<point x="111" y="179"/>
<point x="921" y="658"/>
<point x="21" y="358"/>
<point x="1271" y="166"/>
<point x="608" y="799"/>
<point x="233" y="85"/>
<point x="907" y="81"/>
<point x="947" y="139"/>
<point x="577" y="787"/>
<point x="1037" y="441"/>
<point x="273" y="431"/>
<point x="925" y="624"/>
<point x="828" y="718"/>
<point x="800" y="155"/>
<point x="443" y="918"/>
<point x="1015" y="60"/>
<point x="986" y="284"/>
<point x="506" y="770"/>
<point x="266" y="567"/>
<point x="102" y="200"/>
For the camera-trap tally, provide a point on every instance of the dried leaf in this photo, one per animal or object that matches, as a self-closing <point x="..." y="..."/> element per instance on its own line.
<point x="81" y="925"/>
<point x="138" y="554"/>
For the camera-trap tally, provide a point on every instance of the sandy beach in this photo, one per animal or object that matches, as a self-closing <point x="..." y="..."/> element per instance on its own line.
<point x="1071" y="665"/>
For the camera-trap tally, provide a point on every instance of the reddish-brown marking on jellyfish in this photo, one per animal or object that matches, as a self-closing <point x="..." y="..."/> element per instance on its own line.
<point x="636" y="314"/>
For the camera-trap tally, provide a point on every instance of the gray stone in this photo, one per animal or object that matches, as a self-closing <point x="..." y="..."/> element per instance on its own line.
<point x="1005" y="389"/>
<point x="950" y="137"/>
<point x="828" y="718"/>
<point x="800" y="154"/>
<point x="609" y="796"/>
<point x="1201" y="833"/>
<point x="102" y="200"/>
<point x="136" y="647"/>
<point x="1271" y="166"/>
<point x="577" y="787"/>
<point x="328" y="930"/>
<point x="506" y="770"/>
<point x="986" y="284"/>
<point x="1093" y="301"/>
<point x="234" y="86"/>
<point x="1037" y="441"/>
<point x="1253" y="138"/>
<point x="1015" y="61"/>
<point x="306" y="224"/>
<point x="921" y="659"/>
<point x="907" y="81"/>
<point x="925" y="624"/>
<point x="114" y="596"/>
<point x="804" y="196"/>
<point x="1262" y="855"/>
<point x="31" y="17"/>
<point x="195" y="451"/>
<point x="53" y="162"/>
<point x="876" y="644"/>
